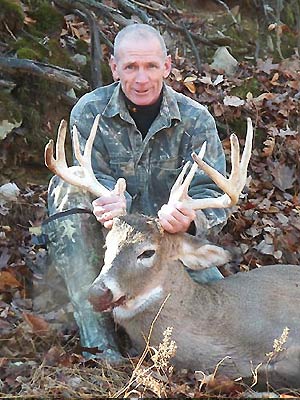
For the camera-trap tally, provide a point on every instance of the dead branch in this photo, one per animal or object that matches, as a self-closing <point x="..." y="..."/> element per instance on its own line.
<point x="99" y="9"/>
<point x="153" y="7"/>
<point x="177" y="28"/>
<point x="12" y="65"/>
<point x="95" y="49"/>
<point x="223" y="4"/>
<point x="129" y="7"/>
<point x="194" y="48"/>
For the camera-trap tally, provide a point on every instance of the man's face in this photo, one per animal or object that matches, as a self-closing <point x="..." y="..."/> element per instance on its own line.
<point x="141" y="68"/>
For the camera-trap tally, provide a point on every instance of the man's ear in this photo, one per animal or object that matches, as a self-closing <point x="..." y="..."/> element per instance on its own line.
<point x="113" y="67"/>
<point x="167" y="66"/>
<point x="198" y="255"/>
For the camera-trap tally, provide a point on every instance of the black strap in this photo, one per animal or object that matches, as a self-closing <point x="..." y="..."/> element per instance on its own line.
<point x="66" y="213"/>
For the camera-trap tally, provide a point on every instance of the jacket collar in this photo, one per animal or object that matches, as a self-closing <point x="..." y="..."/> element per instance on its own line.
<point x="168" y="111"/>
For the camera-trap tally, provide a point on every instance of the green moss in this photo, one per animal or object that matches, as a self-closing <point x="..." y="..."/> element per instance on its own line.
<point x="81" y="46"/>
<point x="286" y="46"/>
<point x="26" y="52"/>
<point x="29" y="96"/>
<point x="29" y="47"/>
<point x="33" y="4"/>
<point x="26" y="44"/>
<point x="251" y="85"/>
<point x="289" y="14"/>
<point x="48" y="19"/>
<point x="106" y="74"/>
<point x="33" y="120"/>
<point x="11" y="13"/>
<point x="14" y="6"/>
<point x="59" y="55"/>
<point x="10" y="109"/>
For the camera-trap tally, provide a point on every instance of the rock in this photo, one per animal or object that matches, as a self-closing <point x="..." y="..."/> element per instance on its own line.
<point x="225" y="61"/>
<point x="6" y="127"/>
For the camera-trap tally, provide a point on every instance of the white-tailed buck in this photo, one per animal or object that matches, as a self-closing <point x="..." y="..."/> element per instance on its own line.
<point x="235" y="319"/>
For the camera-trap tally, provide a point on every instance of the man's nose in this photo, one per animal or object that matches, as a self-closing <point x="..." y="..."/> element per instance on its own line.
<point x="141" y="76"/>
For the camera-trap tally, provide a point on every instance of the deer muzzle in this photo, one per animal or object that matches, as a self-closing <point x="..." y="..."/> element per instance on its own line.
<point x="102" y="298"/>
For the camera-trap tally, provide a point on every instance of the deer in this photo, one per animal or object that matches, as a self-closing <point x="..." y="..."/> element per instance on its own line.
<point x="232" y="322"/>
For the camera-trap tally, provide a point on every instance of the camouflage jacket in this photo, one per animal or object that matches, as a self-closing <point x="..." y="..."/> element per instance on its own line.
<point x="150" y="165"/>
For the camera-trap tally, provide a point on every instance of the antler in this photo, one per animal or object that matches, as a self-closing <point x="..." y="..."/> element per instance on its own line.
<point x="232" y="187"/>
<point x="81" y="176"/>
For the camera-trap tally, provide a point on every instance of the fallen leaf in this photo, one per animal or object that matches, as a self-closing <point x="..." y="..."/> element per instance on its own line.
<point x="233" y="101"/>
<point x="206" y="80"/>
<point x="8" y="281"/>
<point x="191" y="86"/>
<point x="37" y="324"/>
<point x="269" y="147"/>
<point x="284" y="176"/>
<point x="266" y="66"/>
<point x="177" y="75"/>
<point x="219" y="79"/>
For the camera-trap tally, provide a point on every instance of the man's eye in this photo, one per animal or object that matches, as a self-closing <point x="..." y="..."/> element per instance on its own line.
<point x="146" y="254"/>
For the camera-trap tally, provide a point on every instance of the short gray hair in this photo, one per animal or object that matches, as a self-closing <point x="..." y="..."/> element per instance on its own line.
<point x="139" y="31"/>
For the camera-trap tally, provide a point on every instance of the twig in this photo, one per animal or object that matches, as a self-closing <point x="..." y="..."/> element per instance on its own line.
<point x="99" y="9"/>
<point x="223" y="4"/>
<point x="165" y="23"/>
<point x="95" y="49"/>
<point x="129" y="7"/>
<point x="9" y="31"/>
<point x="105" y="40"/>
<point x="194" y="48"/>
<point x="158" y="8"/>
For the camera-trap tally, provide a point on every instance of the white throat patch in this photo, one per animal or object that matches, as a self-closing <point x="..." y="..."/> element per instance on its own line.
<point x="138" y="304"/>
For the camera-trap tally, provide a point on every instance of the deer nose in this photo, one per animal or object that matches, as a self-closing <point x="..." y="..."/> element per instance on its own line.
<point x="100" y="297"/>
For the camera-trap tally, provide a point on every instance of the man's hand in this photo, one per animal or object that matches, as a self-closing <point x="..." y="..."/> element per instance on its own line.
<point x="176" y="217"/>
<point x="105" y="208"/>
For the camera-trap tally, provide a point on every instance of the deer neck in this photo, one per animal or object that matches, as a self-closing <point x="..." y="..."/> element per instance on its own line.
<point x="174" y="290"/>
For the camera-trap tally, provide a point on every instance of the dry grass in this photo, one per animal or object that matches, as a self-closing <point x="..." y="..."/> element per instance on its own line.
<point x="151" y="375"/>
<point x="79" y="381"/>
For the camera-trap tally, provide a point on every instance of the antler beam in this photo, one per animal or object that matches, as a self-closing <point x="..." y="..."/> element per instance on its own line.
<point x="232" y="186"/>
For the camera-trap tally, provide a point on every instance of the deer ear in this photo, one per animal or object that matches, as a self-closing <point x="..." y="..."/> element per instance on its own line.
<point x="196" y="255"/>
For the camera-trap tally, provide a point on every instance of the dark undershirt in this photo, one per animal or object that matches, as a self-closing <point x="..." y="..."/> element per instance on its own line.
<point x="143" y="116"/>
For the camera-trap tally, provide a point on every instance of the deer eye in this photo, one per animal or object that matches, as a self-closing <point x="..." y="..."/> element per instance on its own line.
<point x="146" y="254"/>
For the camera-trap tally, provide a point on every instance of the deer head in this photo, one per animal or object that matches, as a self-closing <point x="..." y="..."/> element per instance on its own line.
<point x="140" y="260"/>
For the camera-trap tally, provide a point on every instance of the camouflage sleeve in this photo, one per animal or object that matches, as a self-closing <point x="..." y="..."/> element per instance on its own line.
<point x="83" y="119"/>
<point x="202" y="186"/>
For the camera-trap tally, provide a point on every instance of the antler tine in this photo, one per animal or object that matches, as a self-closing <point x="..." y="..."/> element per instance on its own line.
<point x="232" y="186"/>
<point x="194" y="167"/>
<point x="235" y="155"/>
<point x="85" y="159"/>
<point x="81" y="176"/>
<point x="248" y="148"/>
<point x="178" y="183"/>
<point x="60" y="161"/>
<point x="60" y="143"/>
<point x="48" y="155"/>
<point x="179" y="190"/>
<point x="239" y="168"/>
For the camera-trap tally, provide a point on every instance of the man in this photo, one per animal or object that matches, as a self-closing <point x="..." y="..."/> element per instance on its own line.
<point x="146" y="133"/>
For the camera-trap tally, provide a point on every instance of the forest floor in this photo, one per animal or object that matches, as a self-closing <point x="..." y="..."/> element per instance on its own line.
<point x="40" y="353"/>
